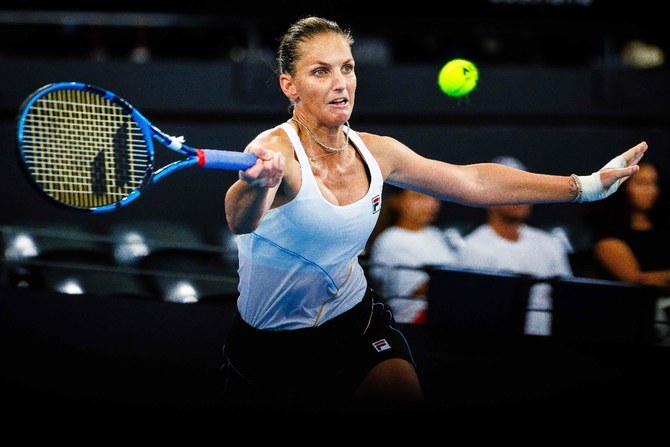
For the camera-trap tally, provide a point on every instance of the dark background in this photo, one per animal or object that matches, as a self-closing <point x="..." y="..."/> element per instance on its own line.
<point x="554" y="91"/>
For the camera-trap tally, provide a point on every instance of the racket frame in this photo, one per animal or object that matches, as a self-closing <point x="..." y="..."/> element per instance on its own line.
<point x="193" y="157"/>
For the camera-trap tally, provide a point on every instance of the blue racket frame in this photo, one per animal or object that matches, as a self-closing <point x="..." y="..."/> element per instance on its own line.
<point x="209" y="158"/>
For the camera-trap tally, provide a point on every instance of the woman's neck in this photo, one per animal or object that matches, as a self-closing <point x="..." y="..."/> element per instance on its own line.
<point x="507" y="231"/>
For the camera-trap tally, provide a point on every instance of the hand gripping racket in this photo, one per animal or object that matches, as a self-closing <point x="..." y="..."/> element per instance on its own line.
<point x="88" y="149"/>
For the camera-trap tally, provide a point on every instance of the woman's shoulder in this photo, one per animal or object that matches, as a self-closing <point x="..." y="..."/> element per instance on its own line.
<point x="273" y="137"/>
<point x="610" y="230"/>
<point x="375" y="141"/>
<point x="389" y="152"/>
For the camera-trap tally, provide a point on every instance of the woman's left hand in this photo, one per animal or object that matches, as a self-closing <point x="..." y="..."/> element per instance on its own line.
<point x="606" y="181"/>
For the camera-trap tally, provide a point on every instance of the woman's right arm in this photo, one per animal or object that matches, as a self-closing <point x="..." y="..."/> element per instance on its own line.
<point x="250" y="197"/>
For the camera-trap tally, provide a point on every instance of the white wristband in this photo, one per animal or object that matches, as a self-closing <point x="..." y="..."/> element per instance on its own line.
<point x="590" y="186"/>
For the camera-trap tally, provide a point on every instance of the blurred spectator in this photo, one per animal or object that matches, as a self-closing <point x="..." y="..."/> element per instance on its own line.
<point x="406" y="241"/>
<point x="141" y="51"/>
<point x="631" y="233"/>
<point x="506" y="243"/>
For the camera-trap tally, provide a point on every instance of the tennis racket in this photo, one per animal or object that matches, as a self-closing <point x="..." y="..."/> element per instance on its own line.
<point x="88" y="149"/>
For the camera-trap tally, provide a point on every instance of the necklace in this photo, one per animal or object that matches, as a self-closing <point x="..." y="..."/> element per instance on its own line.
<point x="313" y="158"/>
<point x="330" y="149"/>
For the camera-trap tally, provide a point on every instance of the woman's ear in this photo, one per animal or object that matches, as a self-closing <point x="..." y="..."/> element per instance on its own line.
<point x="287" y="86"/>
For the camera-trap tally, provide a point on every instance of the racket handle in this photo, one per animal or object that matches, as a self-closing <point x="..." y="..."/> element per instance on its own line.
<point x="218" y="159"/>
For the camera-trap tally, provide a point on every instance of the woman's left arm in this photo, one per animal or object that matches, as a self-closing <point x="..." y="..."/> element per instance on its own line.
<point x="486" y="184"/>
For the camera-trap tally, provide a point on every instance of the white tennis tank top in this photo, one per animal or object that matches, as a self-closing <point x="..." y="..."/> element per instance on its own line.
<point x="300" y="267"/>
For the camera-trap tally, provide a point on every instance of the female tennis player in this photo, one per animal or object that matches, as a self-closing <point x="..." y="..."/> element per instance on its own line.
<point x="309" y="333"/>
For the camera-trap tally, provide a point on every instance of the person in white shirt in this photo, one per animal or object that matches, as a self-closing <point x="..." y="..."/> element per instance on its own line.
<point x="506" y="243"/>
<point x="400" y="250"/>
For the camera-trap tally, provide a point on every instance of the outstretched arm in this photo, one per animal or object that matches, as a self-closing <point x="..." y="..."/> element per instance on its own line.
<point x="486" y="184"/>
<point x="608" y="179"/>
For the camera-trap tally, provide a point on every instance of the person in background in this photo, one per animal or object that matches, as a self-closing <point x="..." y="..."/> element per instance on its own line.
<point x="308" y="333"/>
<point x="506" y="243"/>
<point x="399" y="250"/>
<point x="631" y="236"/>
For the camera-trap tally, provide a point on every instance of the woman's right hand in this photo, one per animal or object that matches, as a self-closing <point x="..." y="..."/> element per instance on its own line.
<point x="268" y="170"/>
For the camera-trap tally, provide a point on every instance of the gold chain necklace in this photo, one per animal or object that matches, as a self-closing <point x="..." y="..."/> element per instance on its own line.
<point x="313" y="158"/>
<point x="330" y="149"/>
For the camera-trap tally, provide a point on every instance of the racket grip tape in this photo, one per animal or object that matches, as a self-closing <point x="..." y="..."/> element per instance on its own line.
<point x="218" y="159"/>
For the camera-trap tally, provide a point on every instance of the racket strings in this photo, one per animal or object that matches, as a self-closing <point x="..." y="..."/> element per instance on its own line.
<point x="83" y="149"/>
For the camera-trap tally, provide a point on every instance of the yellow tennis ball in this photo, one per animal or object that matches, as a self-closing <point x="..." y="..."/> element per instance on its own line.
<point x="458" y="77"/>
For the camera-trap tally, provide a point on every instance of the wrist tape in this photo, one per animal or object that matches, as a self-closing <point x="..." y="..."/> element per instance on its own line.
<point x="590" y="188"/>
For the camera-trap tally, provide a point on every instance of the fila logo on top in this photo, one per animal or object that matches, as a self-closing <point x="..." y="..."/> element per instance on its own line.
<point x="376" y="203"/>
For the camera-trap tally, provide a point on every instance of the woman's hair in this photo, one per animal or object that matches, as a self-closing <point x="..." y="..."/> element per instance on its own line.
<point x="616" y="209"/>
<point x="302" y="30"/>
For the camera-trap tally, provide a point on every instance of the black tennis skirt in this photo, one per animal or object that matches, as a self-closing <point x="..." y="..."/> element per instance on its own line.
<point x="310" y="366"/>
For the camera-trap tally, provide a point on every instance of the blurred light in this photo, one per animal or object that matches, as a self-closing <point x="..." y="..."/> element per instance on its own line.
<point x="71" y="287"/>
<point x="641" y="55"/>
<point x="130" y="248"/>
<point x="237" y="54"/>
<point x="510" y="161"/>
<point x="182" y="292"/>
<point x="140" y="54"/>
<point x="22" y="246"/>
<point x="230" y="254"/>
<point x="373" y="50"/>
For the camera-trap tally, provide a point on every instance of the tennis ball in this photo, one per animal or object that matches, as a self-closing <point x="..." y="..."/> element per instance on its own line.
<point x="458" y="77"/>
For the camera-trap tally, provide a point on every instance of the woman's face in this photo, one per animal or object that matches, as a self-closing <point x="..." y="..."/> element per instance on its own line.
<point x="416" y="207"/>
<point x="643" y="188"/>
<point x="324" y="83"/>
